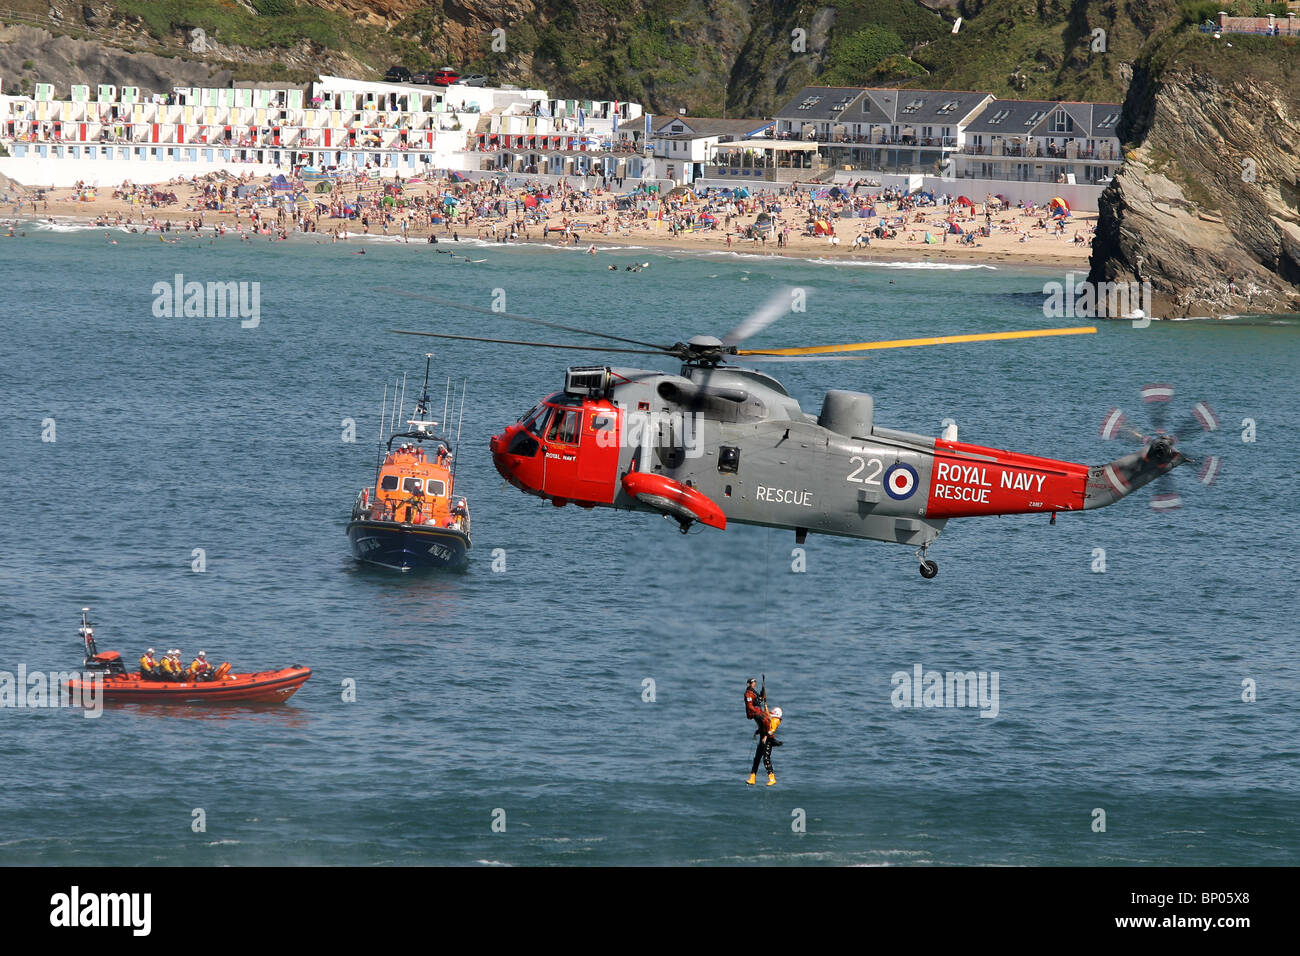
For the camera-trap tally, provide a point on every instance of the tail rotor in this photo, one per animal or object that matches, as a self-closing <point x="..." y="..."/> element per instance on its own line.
<point x="1162" y="444"/>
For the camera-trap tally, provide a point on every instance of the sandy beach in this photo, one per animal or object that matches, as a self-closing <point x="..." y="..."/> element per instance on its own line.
<point x="1015" y="236"/>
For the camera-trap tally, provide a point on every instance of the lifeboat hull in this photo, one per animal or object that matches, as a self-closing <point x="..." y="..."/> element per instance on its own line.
<point x="408" y="547"/>
<point x="263" y="687"/>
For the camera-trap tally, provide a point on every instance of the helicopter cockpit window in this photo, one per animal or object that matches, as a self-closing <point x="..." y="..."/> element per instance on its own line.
<point x="529" y="414"/>
<point x="388" y="483"/>
<point x="564" y="427"/>
<point x="538" y="423"/>
<point x="413" y="486"/>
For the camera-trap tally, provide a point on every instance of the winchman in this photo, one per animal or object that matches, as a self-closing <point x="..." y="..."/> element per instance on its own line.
<point x="767" y="739"/>
<point x="149" y="669"/>
<point x="754" y="702"/>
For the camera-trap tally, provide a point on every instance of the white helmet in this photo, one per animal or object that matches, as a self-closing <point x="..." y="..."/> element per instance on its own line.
<point x="776" y="712"/>
<point x="150" y="651"/>
<point x="203" y="653"/>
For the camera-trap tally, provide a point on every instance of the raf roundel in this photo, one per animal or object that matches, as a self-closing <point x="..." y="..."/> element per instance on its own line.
<point x="900" y="481"/>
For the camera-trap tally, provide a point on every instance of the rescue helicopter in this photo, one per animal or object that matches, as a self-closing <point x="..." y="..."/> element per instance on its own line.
<point x="720" y="442"/>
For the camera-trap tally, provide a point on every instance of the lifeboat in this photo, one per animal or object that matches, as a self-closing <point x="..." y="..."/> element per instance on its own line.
<point x="412" y="518"/>
<point x="263" y="687"/>
<point x="106" y="675"/>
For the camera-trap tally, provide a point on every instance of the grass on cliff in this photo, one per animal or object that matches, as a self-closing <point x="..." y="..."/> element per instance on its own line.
<point x="278" y="23"/>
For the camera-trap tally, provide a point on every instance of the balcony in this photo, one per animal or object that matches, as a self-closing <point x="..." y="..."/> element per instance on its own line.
<point x="1033" y="151"/>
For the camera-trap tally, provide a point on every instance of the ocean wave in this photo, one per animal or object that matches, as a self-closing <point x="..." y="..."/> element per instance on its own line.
<point x="943" y="266"/>
<point x="822" y="261"/>
<point x="71" y="226"/>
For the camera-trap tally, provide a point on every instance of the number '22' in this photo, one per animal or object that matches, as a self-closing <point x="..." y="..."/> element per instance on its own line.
<point x="871" y="479"/>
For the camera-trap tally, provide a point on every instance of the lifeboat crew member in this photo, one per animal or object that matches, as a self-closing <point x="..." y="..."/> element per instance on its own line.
<point x="768" y="726"/>
<point x="169" y="666"/>
<point x="148" y="666"/>
<point x="199" y="668"/>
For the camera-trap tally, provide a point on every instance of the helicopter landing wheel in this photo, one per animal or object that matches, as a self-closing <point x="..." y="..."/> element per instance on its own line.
<point x="929" y="569"/>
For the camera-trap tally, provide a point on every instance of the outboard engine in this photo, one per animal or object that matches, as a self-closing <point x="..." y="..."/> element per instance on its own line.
<point x="109" y="662"/>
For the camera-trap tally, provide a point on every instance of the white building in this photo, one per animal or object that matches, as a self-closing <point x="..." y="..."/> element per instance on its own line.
<point x="108" y="135"/>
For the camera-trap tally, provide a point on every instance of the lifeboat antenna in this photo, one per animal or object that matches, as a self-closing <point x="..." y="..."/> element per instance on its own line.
<point x="459" y="422"/>
<point x="421" y="424"/>
<point x="446" y="402"/>
<point x="379" y="452"/>
<point x="401" y="407"/>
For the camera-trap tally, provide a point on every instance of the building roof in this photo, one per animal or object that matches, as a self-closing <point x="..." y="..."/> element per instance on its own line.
<point x="1034" y="117"/>
<point x="818" y="103"/>
<point x="701" y="127"/>
<point x="916" y="107"/>
<point x="977" y="111"/>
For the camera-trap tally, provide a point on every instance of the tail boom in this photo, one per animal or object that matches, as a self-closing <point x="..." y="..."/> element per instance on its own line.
<point x="972" y="480"/>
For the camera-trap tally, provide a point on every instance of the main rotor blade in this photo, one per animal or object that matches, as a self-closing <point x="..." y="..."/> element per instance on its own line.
<point x="522" y="318"/>
<point x="542" y="345"/>
<point x="909" y="343"/>
<point x="777" y="305"/>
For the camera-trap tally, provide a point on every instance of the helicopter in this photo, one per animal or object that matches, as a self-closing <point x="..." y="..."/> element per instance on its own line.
<point x="718" y="443"/>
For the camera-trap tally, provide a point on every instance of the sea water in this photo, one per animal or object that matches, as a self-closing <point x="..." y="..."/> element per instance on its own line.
<point x="575" y="696"/>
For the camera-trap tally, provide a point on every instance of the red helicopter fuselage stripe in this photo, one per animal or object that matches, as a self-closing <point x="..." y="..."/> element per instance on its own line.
<point x="969" y="480"/>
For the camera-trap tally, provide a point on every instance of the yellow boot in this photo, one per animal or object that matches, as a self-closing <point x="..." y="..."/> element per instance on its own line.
<point x="750" y="781"/>
<point x="771" y="780"/>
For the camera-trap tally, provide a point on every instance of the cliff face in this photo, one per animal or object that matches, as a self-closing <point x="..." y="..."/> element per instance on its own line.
<point x="741" y="57"/>
<point x="1206" y="207"/>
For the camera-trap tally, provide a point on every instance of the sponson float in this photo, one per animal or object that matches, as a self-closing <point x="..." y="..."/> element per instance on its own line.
<point x="718" y="443"/>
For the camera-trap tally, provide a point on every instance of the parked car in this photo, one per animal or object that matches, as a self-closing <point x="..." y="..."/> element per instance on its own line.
<point x="420" y="78"/>
<point x="397" y="74"/>
<point x="472" y="79"/>
<point x="445" y="77"/>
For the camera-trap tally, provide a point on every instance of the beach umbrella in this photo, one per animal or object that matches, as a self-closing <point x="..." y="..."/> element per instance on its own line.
<point x="965" y="201"/>
<point x="1059" y="208"/>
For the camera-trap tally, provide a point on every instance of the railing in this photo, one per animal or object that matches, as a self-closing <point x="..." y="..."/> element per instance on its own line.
<point x="1286" y="27"/>
<point x="931" y="142"/>
<point x="1020" y="151"/>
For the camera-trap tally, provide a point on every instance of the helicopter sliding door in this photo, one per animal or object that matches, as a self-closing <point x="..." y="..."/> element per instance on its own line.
<point x="578" y="468"/>
<point x="598" y="453"/>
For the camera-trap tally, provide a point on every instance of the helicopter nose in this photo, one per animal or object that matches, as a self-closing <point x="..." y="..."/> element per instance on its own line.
<point x="516" y="456"/>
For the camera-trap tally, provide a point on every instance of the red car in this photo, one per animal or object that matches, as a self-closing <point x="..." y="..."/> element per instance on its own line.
<point x="444" y="77"/>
